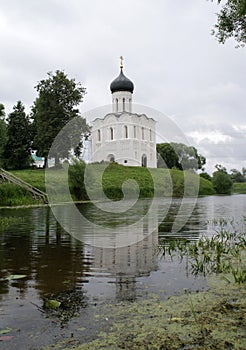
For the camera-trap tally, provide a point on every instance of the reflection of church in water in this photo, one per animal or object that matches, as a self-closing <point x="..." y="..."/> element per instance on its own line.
<point x="126" y="264"/>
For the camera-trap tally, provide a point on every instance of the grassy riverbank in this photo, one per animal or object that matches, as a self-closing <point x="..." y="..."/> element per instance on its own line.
<point x="167" y="183"/>
<point x="239" y="187"/>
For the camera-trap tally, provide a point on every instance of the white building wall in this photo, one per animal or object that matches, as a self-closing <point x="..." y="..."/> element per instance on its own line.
<point x="125" y="137"/>
<point x="122" y="101"/>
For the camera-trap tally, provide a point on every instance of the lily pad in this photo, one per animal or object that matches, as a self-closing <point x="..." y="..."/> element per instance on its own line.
<point x="52" y="304"/>
<point x="15" y="277"/>
<point x="5" y="331"/>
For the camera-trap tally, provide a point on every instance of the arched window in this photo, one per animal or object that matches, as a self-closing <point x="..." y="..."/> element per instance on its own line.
<point x="144" y="160"/>
<point x="124" y="104"/>
<point x="116" y="104"/>
<point x="135" y="131"/>
<point x="99" y="135"/>
<point x="125" y="132"/>
<point x="111" y="158"/>
<point x="142" y="133"/>
<point x="111" y="130"/>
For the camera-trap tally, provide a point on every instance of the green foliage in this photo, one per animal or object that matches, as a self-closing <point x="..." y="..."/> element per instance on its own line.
<point x="167" y="157"/>
<point x="76" y="180"/>
<point x="168" y="183"/>
<point x="8" y="221"/>
<point x="221" y="181"/>
<point x="17" y="148"/>
<point x="231" y="22"/>
<point x="237" y="176"/>
<point x="52" y="110"/>
<point x="3" y="133"/>
<point x="12" y="195"/>
<point x="221" y="253"/>
<point x="180" y="156"/>
<point x="206" y="176"/>
<point x="239" y="188"/>
<point x="36" y="177"/>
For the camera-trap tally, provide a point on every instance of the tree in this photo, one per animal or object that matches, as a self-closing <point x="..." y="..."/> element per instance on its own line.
<point x="17" y="151"/>
<point x="167" y="157"/>
<point x="237" y="176"/>
<point x="3" y="133"/>
<point x="52" y="110"/>
<point x="180" y="156"/>
<point x="221" y="180"/>
<point x="231" y="22"/>
<point x="206" y="176"/>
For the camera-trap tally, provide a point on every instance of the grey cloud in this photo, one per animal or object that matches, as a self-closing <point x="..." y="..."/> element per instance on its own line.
<point x="176" y="65"/>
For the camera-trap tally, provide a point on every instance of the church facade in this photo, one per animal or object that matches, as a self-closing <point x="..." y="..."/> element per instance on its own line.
<point x="123" y="136"/>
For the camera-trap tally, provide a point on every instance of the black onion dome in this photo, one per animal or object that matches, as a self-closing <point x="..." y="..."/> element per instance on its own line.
<point x="121" y="83"/>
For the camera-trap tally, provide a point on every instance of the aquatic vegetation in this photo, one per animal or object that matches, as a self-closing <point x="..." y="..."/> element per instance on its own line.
<point x="8" y="221"/>
<point x="214" y="319"/>
<point x="64" y="305"/>
<point x="223" y="252"/>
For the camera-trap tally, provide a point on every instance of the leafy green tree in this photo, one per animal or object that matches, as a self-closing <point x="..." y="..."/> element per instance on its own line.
<point x="3" y="133"/>
<point x="221" y="180"/>
<point x="52" y="110"/>
<point x="17" y="151"/>
<point x="167" y="157"/>
<point x="206" y="176"/>
<point x="237" y="176"/>
<point x="231" y="21"/>
<point x="188" y="156"/>
<point x="180" y="156"/>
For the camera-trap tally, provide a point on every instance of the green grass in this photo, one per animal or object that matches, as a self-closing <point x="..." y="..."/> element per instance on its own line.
<point x="167" y="183"/>
<point x="34" y="177"/>
<point x="13" y="195"/>
<point x="239" y="187"/>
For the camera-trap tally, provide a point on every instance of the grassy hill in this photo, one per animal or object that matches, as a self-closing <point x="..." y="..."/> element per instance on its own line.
<point x="239" y="187"/>
<point x="167" y="183"/>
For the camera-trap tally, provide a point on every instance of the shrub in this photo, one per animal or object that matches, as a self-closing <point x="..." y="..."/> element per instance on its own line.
<point x="222" y="182"/>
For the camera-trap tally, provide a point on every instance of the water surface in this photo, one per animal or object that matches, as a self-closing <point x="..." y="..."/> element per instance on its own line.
<point x="54" y="262"/>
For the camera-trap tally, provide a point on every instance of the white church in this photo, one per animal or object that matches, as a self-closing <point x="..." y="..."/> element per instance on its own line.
<point x="123" y="136"/>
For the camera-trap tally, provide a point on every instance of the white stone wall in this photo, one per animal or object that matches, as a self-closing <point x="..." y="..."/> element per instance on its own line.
<point x="127" y="138"/>
<point x="122" y="101"/>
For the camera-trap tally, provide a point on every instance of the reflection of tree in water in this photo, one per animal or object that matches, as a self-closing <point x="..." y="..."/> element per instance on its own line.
<point x="41" y="250"/>
<point x="60" y="261"/>
<point x="16" y="255"/>
<point x="193" y="224"/>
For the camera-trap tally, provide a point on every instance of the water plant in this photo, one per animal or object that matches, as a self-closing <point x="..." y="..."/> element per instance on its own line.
<point x="8" y="221"/>
<point x="222" y="251"/>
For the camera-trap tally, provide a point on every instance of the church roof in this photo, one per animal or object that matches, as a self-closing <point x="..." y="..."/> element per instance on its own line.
<point x="121" y="83"/>
<point x="119" y="115"/>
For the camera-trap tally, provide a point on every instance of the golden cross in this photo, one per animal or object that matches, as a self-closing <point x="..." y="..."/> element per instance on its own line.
<point x="121" y="61"/>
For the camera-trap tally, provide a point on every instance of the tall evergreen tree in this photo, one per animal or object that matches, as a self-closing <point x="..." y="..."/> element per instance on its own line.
<point x="3" y="133"/>
<point x="17" y="152"/>
<point x="52" y="110"/>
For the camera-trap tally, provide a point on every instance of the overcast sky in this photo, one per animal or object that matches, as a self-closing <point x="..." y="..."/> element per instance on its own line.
<point x="176" y="65"/>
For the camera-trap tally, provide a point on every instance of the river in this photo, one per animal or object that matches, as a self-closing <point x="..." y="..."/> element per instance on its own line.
<point x="57" y="264"/>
